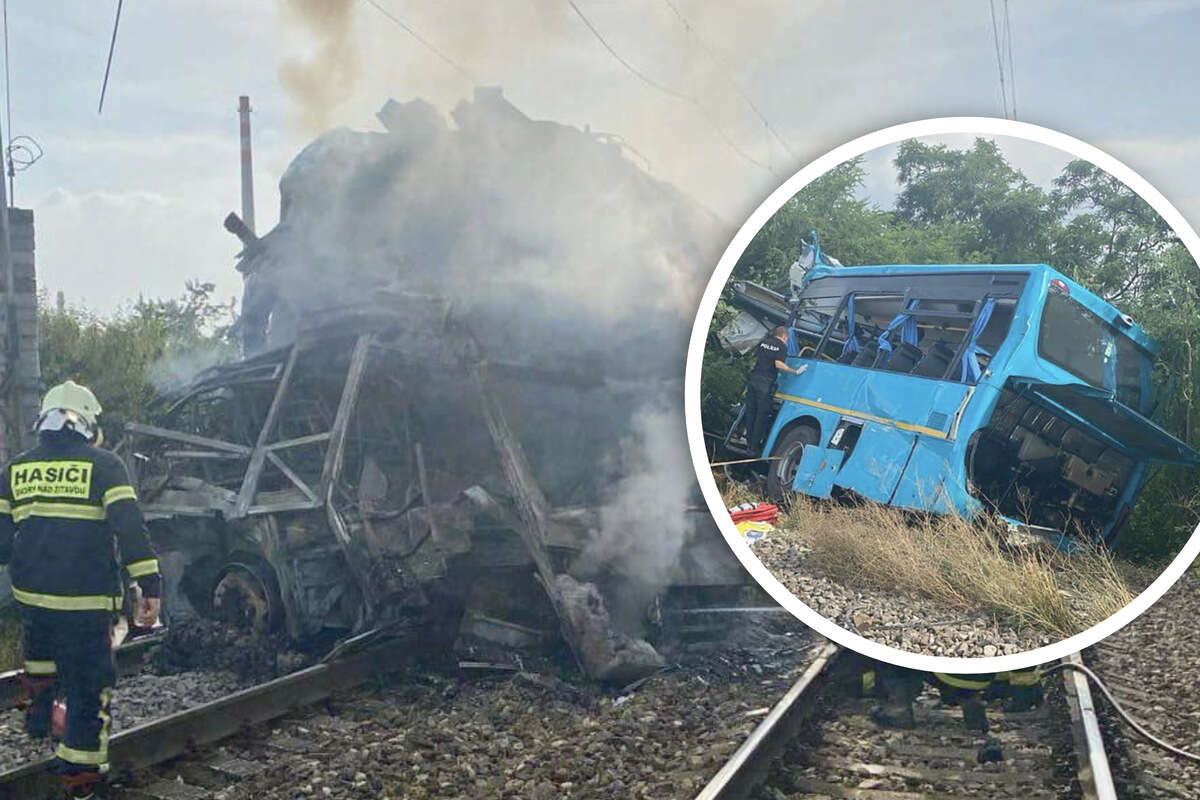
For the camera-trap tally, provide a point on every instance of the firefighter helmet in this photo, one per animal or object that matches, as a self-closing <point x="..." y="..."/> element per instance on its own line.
<point x="70" y="405"/>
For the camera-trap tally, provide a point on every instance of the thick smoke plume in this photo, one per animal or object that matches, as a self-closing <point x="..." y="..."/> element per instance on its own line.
<point x="642" y="524"/>
<point x="559" y="253"/>
<point x="321" y="82"/>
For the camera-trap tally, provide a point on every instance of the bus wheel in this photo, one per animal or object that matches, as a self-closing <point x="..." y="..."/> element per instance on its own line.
<point x="787" y="449"/>
<point x="246" y="595"/>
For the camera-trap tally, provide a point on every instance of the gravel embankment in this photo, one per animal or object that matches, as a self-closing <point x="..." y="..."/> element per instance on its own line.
<point x="905" y="621"/>
<point x="526" y="736"/>
<point x="1151" y="665"/>
<point x="136" y="699"/>
<point x="198" y="662"/>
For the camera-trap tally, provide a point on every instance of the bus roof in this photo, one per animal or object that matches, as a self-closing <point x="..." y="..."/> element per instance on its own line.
<point x="1093" y="302"/>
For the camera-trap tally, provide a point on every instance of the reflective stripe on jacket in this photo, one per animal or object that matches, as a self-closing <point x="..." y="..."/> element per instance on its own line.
<point x="67" y="513"/>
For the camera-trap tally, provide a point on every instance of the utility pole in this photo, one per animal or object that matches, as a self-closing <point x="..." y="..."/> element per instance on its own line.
<point x="12" y="350"/>
<point x="247" y="165"/>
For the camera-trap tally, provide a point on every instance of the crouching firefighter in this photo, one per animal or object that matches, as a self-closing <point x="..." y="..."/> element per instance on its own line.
<point x="61" y="504"/>
<point x="898" y="688"/>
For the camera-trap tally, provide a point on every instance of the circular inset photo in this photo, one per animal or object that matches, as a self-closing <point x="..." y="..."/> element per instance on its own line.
<point x="940" y="394"/>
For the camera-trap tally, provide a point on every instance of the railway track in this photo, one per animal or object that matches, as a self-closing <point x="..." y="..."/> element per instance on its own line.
<point x="174" y="735"/>
<point x="819" y="742"/>
<point x="1143" y="771"/>
<point x="128" y="656"/>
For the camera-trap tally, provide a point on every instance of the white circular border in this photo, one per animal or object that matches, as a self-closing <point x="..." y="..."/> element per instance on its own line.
<point x="712" y="495"/>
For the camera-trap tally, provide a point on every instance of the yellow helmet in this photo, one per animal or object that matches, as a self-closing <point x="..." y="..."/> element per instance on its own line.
<point x="70" y="397"/>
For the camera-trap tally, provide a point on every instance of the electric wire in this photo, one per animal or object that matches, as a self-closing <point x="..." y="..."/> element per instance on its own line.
<point x="21" y="152"/>
<point x="428" y="45"/>
<point x="112" y="45"/>
<point x="670" y="92"/>
<point x="1012" y="77"/>
<point x="728" y="75"/>
<point x="1133" y="723"/>
<point x="999" y="60"/>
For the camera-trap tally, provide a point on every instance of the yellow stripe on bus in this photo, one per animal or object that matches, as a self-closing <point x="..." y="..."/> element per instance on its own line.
<point x="908" y="426"/>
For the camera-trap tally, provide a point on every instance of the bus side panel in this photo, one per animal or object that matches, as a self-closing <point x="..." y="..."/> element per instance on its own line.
<point x="935" y="480"/>
<point x="789" y="412"/>
<point x="878" y="460"/>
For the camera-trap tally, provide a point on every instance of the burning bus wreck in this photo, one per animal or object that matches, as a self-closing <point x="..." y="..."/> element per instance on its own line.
<point x="962" y="389"/>
<point x="429" y="427"/>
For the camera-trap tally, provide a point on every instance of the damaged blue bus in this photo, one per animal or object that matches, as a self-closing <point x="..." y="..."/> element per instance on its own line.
<point x="967" y="389"/>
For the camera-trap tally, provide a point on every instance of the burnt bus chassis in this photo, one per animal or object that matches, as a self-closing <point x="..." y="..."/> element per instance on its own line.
<point x="262" y="572"/>
<point x="272" y="529"/>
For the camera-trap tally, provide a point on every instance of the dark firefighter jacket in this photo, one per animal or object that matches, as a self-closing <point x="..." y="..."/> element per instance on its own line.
<point x="60" y="505"/>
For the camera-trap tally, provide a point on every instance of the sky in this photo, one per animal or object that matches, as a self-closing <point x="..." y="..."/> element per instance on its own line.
<point x="129" y="202"/>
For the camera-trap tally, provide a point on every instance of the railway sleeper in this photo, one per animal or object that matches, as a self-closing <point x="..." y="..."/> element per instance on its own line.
<point x="197" y="780"/>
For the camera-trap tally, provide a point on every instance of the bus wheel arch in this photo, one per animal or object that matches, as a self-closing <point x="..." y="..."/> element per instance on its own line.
<point x="788" y="446"/>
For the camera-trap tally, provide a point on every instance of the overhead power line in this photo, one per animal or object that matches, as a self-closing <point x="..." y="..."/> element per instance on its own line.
<point x="112" y="45"/>
<point x="428" y="45"/>
<point x="1012" y="77"/>
<point x="670" y="92"/>
<point x="999" y="60"/>
<point x="728" y="75"/>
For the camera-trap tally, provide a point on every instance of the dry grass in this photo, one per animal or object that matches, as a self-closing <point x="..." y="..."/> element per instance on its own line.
<point x="961" y="564"/>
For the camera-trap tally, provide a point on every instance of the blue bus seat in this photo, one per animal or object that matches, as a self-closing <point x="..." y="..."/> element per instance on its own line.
<point x="866" y="355"/>
<point x="904" y="357"/>
<point x="937" y="358"/>
<point x="849" y="356"/>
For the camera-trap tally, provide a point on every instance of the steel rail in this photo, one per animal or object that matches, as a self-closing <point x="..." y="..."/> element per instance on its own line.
<point x="127" y="655"/>
<point x="168" y="737"/>
<point x="748" y="766"/>
<point x="1095" y="777"/>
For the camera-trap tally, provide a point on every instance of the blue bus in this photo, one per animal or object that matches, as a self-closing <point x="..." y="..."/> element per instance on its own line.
<point x="968" y="389"/>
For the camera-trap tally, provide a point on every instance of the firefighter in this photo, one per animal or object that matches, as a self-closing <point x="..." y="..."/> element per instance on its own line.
<point x="898" y="688"/>
<point x="769" y="359"/>
<point x="61" y="504"/>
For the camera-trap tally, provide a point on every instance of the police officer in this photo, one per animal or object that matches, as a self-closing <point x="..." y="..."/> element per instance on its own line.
<point x="61" y="504"/>
<point x="769" y="359"/>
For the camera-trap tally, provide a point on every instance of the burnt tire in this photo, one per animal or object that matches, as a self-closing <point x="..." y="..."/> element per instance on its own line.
<point x="246" y="594"/>
<point x="787" y="449"/>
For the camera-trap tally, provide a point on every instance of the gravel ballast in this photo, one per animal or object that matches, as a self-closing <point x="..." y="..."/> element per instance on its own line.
<point x="525" y="735"/>
<point x="897" y="619"/>
<point x="1151" y="665"/>
<point x="136" y="699"/>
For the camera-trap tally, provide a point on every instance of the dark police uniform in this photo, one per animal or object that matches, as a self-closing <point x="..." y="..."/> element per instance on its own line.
<point x="760" y="388"/>
<point x="60" y="505"/>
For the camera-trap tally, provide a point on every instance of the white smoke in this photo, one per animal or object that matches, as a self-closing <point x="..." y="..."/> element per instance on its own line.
<point x="561" y="253"/>
<point x="643" y="527"/>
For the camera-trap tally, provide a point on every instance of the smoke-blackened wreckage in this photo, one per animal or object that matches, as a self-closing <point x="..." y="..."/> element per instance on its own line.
<point x="459" y="344"/>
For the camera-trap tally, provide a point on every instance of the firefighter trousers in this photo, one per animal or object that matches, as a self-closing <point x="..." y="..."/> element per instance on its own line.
<point x="74" y="649"/>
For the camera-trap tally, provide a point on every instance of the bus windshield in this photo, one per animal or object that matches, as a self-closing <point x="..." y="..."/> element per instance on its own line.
<point x="1080" y="342"/>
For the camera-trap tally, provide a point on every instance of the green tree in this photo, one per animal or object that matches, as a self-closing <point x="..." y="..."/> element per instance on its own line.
<point x="1002" y="217"/>
<point x="130" y="357"/>
<point x="1111" y="239"/>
